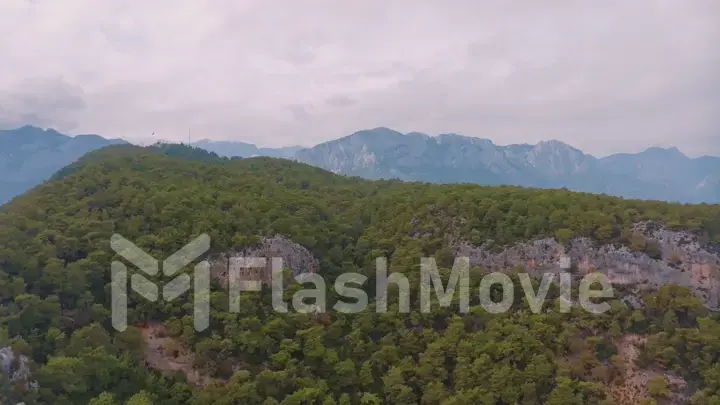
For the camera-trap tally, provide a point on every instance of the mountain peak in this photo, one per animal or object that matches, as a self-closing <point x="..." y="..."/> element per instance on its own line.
<point x="454" y="137"/>
<point x="557" y="147"/>
<point x="418" y="134"/>
<point x="31" y="134"/>
<point x="554" y="143"/>
<point x="380" y="136"/>
<point x="671" y="152"/>
<point x="379" y="131"/>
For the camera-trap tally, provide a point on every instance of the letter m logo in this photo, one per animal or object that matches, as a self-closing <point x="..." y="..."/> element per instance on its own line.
<point x="150" y="266"/>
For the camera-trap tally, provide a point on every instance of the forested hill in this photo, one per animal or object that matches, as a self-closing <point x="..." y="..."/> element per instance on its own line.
<point x="54" y="285"/>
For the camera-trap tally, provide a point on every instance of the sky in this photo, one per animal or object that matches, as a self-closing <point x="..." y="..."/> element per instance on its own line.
<point x="606" y="77"/>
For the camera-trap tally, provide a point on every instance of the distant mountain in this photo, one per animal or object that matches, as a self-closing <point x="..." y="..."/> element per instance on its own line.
<point x="670" y="172"/>
<point x="30" y="155"/>
<point x="242" y="149"/>
<point x="656" y="174"/>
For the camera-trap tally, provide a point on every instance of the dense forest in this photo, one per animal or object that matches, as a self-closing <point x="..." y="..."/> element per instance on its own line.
<point x="55" y="297"/>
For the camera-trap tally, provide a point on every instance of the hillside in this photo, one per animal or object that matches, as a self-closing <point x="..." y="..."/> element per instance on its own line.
<point x="55" y="258"/>
<point x="30" y="155"/>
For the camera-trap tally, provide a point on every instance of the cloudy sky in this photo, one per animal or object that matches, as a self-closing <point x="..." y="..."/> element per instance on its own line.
<point x="604" y="76"/>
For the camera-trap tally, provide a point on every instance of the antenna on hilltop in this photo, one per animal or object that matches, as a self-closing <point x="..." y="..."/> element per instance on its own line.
<point x="189" y="138"/>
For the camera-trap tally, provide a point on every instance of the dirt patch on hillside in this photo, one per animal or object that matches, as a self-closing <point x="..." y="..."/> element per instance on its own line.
<point x="634" y="386"/>
<point x="167" y="355"/>
<point x="634" y="381"/>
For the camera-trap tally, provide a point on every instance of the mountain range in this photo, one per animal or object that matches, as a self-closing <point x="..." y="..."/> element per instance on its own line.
<point x="30" y="155"/>
<point x="655" y="174"/>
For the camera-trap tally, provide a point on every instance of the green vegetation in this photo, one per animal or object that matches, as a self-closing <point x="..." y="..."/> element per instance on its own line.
<point x="54" y="275"/>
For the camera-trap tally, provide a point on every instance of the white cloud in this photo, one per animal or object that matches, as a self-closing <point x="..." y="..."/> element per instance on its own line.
<point x="604" y="76"/>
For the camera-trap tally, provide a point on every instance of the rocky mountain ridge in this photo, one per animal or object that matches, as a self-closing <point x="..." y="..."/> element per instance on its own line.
<point x="655" y="174"/>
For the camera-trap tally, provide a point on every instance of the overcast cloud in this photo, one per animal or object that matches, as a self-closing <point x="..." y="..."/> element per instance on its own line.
<point x="604" y="76"/>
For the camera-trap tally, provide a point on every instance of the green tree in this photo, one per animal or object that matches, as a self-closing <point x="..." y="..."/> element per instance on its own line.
<point x="564" y="235"/>
<point x="563" y="393"/>
<point x="345" y="400"/>
<point x="638" y="242"/>
<point x="141" y="398"/>
<point x="658" y="387"/>
<point x="103" y="399"/>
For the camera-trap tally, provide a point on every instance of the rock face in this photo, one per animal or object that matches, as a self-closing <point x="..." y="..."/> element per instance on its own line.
<point x="16" y="368"/>
<point x="294" y="256"/>
<point x="681" y="260"/>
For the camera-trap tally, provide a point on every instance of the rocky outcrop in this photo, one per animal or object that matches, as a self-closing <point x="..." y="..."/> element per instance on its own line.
<point x="681" y="259"/>
<point x="16" y="368"/>
<point x="294" y="257"/>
